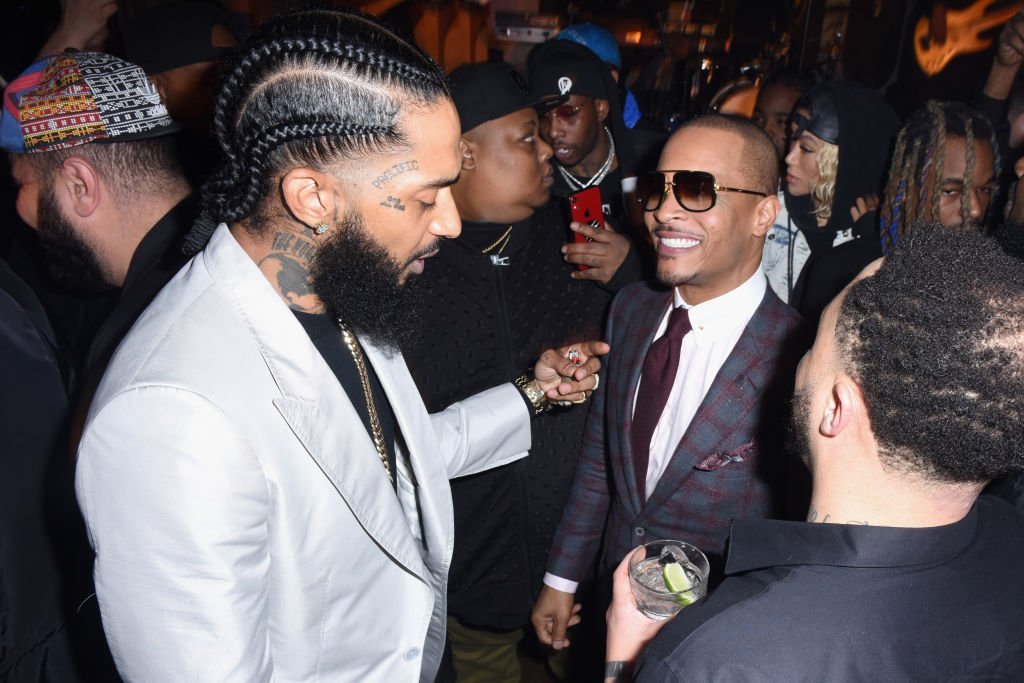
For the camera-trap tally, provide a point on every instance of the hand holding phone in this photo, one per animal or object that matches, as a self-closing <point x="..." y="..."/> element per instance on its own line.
<point x="585" y="207"/>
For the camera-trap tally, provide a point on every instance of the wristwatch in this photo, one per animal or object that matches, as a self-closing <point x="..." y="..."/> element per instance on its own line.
<point x="535" y="396"/>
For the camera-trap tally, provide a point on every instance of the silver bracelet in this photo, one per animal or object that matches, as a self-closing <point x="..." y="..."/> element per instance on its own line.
<point x="616" y="671"/>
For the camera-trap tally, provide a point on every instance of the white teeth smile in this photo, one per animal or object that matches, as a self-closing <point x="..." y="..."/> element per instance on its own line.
<point x="679" y="243"/>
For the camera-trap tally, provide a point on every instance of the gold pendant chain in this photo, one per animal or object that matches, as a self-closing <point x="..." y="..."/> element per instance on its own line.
<point x="371" y="408"/>
<point x="503" y="241"/>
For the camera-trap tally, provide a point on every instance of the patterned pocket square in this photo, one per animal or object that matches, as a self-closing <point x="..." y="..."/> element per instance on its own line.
<point x="718" y="460"/>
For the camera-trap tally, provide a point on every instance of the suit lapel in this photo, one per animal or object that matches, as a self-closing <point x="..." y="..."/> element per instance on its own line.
<point x="436" y="516"/>
<point x="313" y="403"/>
<point x="736" y="387"/>
<point x="334" y="436"/>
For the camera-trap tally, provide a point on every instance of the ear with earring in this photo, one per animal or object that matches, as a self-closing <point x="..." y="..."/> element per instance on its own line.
<point x="320" y="228"/>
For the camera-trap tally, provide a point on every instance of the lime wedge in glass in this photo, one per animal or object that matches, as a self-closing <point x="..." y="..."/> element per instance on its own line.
<point x="677" y="581"/>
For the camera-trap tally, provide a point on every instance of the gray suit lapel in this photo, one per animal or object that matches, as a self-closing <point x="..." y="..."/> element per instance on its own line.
<point x="435" y="512"/>
<point x="313" y="403"/>
<point x="335" y="438"/>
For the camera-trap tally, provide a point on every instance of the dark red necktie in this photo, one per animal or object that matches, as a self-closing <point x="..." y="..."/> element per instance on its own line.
<point x="659" y="374"/>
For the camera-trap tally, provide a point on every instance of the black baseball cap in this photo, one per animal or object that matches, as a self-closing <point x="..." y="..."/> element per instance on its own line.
<point x="561" y="67"/>
<point x="484" y="92"/>
<point x="823" y="120"/>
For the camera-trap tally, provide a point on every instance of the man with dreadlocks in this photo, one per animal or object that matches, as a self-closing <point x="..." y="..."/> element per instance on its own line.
<point x="944" y="169"/>
<point x="267" y="496"/>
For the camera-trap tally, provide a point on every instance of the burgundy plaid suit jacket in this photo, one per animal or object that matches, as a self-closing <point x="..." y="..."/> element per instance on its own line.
<point x="729" y="464"/>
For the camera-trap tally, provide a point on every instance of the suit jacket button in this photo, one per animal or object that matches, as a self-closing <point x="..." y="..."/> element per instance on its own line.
<point x="639" y="531"/>
<point x="411" y="654"/>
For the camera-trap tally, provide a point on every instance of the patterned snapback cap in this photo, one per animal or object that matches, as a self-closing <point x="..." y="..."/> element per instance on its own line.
<point x="79" y="97"/>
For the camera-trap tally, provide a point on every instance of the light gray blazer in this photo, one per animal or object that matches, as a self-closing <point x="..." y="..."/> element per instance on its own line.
<point x="243" y="524"/>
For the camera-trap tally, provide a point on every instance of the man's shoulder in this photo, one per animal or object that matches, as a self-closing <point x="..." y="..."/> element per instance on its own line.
<point x="640" y="294"/>
<point x="778" y="331"/>
<point x="779" y="315"/>
<point x="726" y="637"/>
<point x="1001" y="520"/>
<point x="638" y="307"/>
<point x="22" y="317"/>
<point x="703" y="639"/>
<point x="189" y="330"/>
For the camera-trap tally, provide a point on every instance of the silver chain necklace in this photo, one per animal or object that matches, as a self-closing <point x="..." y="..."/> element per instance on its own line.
<point x="576" y="184"/>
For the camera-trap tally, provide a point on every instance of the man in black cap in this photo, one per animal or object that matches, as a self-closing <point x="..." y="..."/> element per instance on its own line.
<point x="496" y="275"/>
<point x="592" y="148"/>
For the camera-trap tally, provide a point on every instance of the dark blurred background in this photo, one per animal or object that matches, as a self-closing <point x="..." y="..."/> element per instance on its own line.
<point x="678" y="56"/>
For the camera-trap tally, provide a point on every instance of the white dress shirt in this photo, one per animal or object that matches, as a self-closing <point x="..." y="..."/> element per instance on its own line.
<point x="717" y="326"/>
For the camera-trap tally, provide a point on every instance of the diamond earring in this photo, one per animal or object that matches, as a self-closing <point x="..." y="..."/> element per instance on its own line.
<point x="320" y="228"/>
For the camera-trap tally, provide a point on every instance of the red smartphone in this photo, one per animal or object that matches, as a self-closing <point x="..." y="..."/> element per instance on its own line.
<point x="585" y="207"/>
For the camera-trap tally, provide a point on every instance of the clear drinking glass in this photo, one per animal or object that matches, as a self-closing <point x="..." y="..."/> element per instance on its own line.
<point x="647" y="577"/>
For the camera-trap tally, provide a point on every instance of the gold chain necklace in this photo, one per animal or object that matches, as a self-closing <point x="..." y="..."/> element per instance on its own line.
<point x="371" y="408"/>
<point x="503" y="241"/>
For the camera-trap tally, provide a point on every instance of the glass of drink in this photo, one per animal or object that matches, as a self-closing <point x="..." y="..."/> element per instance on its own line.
<point x="666" y="576"/>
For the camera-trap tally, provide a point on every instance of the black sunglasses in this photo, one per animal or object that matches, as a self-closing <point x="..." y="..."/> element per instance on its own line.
<point x="696" y="191"/>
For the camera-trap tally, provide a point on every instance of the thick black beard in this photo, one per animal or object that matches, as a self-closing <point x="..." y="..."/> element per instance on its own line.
<point x="797" y="440"/>
<point x="69" y="260"/>
<point x="359" y="282"/>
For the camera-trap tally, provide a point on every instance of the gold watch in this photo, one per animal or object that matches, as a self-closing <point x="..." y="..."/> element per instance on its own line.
<point x="535" y="396"/>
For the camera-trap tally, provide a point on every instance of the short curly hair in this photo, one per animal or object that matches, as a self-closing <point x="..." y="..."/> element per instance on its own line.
<point x="935" y="340"/>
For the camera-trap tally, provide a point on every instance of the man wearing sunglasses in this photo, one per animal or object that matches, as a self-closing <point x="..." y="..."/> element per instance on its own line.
<point x="591" y="148"/>
<point x="905" y="407"/>
<point x="687" y="433"/>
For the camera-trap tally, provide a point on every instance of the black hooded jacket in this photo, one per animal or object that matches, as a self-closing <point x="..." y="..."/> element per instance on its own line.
<point x="867" y="127"/>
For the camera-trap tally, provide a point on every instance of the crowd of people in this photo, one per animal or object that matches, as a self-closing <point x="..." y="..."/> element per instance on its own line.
<point x="333" y="383"/>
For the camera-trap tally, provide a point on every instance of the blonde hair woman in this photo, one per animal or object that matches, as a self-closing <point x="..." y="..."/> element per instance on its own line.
<point x="840" y="136"/>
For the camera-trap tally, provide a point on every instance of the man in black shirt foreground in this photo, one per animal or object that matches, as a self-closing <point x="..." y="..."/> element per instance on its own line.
<point x="910" y="401"/>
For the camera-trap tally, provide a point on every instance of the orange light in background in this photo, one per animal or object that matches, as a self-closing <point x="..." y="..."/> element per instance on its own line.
<point x="634" y="37"/>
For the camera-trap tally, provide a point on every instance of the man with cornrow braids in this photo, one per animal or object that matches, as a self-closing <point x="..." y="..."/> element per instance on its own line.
<point x="266" y="493"/>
